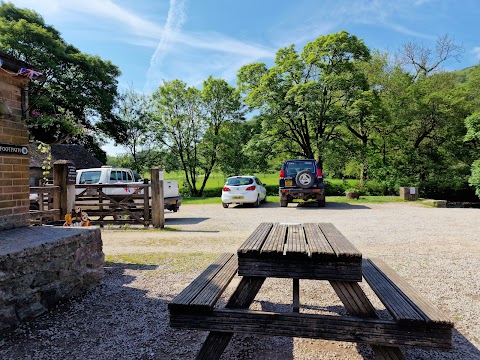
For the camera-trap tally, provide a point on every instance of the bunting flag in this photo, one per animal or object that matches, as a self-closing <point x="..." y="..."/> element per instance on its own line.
<point x="31" y="74"/>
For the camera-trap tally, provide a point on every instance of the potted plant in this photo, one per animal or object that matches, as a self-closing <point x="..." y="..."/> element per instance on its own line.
<point x="352" y="193"/>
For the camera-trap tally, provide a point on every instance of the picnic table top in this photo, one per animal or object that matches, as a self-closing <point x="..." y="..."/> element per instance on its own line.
<point x="315" y="240"/>
<point x="303" y="251"/>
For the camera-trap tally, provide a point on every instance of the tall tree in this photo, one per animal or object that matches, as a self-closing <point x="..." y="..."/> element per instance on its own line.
<point x="473" y="135"/>
<point x="303" y="96"/>
<point x="426" y="60"/>
<point x="81" y="85"/>
<point x="221" y="105"/>
<point x="133" y="114"/>
<point x="191" y="123"/>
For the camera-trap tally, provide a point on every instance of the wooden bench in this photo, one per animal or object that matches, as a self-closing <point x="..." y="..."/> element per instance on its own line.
<point x="204" y="291"/>
<point x="407" y="307"/>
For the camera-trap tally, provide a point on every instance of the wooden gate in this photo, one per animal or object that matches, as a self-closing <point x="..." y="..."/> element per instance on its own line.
<point x="103" y="207"/>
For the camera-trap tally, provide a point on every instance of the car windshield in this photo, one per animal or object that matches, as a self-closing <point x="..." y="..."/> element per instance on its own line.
<point x="238" y="181"/>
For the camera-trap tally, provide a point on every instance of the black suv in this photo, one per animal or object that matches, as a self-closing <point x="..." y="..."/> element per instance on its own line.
<point x="301" y="179"/>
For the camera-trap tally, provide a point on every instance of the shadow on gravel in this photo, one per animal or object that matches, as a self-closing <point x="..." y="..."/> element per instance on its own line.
<point x="185" y="221"/>
<point x="126" y="317"/>
<point x="330" y="206"/>
<point x="308" y="206"/>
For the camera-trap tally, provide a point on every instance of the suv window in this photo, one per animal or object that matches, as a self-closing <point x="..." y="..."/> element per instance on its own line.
<point x="292" y="168"/>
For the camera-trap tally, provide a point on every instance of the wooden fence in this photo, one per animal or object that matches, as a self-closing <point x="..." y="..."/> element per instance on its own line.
<point x="136" y="204"/>
<point x="46" y="206"/>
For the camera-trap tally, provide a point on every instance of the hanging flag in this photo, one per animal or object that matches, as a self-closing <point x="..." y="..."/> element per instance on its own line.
<point x="31" y="74"/>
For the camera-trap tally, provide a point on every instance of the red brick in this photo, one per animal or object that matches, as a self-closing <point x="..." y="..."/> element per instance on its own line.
<point x="5" y="183"/>
<point x="5" y="211"/>
<point x="6" y="197"/>
<point x="7" y="204"/>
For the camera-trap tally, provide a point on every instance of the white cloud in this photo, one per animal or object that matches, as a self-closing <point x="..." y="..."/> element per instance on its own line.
<point x="335" y="15"/>
<point x="197" y="55"/>
<point x="104" y="9"/>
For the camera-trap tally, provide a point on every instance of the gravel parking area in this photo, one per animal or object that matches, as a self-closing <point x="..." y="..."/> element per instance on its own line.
<point x="436" y="250"/>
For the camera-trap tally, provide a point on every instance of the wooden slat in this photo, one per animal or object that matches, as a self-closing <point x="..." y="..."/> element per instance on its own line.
<point x="255" y="241"/>
<point x="403" y="302"/>
<point x="317" y="243"/>
<point x="354" y="299"/>
<point x="275" y="240"/>
<point x="357" y="303"/>
<point x="212" y="291"/>
<point x="208" y="286"/>
<point x="339" y="243"/>
<point x="295" y="243"/>
<point x="327" y="327"/>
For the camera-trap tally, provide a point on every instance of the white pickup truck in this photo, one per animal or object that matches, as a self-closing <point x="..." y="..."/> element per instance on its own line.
<point x="111" y="175"/>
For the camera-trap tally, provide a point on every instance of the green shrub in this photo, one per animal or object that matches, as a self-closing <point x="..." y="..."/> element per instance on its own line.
<point x="332" y="189"/>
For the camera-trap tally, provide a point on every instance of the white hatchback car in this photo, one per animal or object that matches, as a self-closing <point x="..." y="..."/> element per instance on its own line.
<point x="243" y="190"/>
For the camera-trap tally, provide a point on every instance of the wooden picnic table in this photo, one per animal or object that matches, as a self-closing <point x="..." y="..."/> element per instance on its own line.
<point x="308" y="251"/>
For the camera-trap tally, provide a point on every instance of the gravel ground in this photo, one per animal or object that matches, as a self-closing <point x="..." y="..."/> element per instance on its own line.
<point x="436" y="250"/>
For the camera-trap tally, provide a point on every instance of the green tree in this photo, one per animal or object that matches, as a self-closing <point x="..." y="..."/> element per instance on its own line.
<point x="221" y="107"/>
<point x="472" y="124"/>
<point x="303" y="97"/>
<point x="81" y="85"/>
<point x="133" y="113"/>
<point x="192" y="124"/>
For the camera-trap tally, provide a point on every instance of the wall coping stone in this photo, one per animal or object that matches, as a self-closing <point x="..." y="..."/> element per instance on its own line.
<point x="36" y="239"/>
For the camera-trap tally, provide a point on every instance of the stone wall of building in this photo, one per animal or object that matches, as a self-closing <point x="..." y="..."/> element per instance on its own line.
<point x="14" y="167"/>
<point x="41" y="266"/>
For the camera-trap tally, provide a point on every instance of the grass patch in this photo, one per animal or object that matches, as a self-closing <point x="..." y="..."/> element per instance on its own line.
<point x="164" y="262"/>
<point x="217" y="179"/>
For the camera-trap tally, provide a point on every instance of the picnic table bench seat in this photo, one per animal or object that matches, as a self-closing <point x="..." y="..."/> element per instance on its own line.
<point x="407" y="307"/>
<point x="206" y="289"/>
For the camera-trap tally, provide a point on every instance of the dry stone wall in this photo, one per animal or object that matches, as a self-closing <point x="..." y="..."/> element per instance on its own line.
<point x="41" y="266"/>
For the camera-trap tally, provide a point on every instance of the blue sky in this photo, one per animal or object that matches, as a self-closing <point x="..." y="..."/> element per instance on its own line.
<point x="155" y="40"/>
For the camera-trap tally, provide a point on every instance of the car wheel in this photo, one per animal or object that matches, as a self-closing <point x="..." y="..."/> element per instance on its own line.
<point x="264" y="199"/>
<point x="305" y="179"/>
<point x="225" y="205"/>
<point x="257" y="202"/>
<point x="283" y="203"/>
<point x="321" y="203"/>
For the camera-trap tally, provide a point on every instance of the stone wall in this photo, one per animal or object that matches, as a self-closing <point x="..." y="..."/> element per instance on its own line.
<point x="40" y="266"/>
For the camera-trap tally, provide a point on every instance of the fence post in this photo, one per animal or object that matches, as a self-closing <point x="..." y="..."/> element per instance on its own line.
<point x="158" y="219"/>
<point x="64" y="176"/>
<point x="146" y="204"/>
